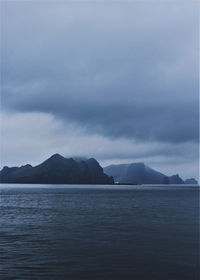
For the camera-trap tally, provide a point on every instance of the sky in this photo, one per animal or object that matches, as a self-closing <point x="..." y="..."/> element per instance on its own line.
<point x="114" y="80"/>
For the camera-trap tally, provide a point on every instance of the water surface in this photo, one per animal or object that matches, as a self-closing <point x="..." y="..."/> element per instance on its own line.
<point x="99" y="232"/>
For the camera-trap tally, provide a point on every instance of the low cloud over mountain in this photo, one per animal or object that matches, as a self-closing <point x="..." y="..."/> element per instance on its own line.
<point x="116" y="72"/>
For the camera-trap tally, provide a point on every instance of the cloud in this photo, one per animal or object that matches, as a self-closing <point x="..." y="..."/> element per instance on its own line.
<point x="127" y="70"/>
<point x="117" y="80"/>
<point x="32" y="137"/>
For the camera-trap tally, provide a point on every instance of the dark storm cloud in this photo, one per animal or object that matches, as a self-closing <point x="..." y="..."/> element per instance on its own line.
<point x="118" y="69"/>
<point x="140" y="120"/>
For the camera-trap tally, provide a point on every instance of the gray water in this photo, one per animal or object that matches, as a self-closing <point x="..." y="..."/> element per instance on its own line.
<point x="99" y="232"/>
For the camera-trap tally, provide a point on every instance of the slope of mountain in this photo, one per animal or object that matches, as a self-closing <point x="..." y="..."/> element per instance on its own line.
<point x="139" y="173"/>
<point x="57" y="170"/>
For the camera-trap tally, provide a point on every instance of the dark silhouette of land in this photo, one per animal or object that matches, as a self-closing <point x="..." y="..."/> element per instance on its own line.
<point x="60" y="170"/>
<point x="57" y="170"/>
<point x="139" y="173"/>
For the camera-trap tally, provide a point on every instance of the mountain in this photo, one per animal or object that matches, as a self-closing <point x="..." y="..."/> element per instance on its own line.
<point x="191" y="181"/>
<point x="139" y="173"/>
<point x="57" y="170"/>
<point x="175" y="179"/>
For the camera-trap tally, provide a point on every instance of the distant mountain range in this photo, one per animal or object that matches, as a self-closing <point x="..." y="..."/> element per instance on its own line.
<point x="57" y="170"/>
<point x="139" y="173"/>
<point x="60" y="170"/>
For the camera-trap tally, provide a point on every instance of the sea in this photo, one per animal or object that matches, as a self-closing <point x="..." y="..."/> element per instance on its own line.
<point x="94" y="232"/>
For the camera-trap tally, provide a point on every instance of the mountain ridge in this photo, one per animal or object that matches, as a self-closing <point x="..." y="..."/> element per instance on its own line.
<point x="139" y="173"/>
<point x="60" y="170"/>
<point x="57" y="170"/>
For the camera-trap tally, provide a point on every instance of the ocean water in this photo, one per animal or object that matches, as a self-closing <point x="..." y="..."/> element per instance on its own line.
<point x="99" y="232"/>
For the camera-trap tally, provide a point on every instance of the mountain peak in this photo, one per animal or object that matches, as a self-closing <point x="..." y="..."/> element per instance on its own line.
<point x="54" y="159"/>
<point x="56" y="156"/>
<point x="138" y="164"/>
<point x="92" y="161"/>
<point x="57" y="170"/>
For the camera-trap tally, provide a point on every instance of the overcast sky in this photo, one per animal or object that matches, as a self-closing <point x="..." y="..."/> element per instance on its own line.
<point x="114" y="80"/>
